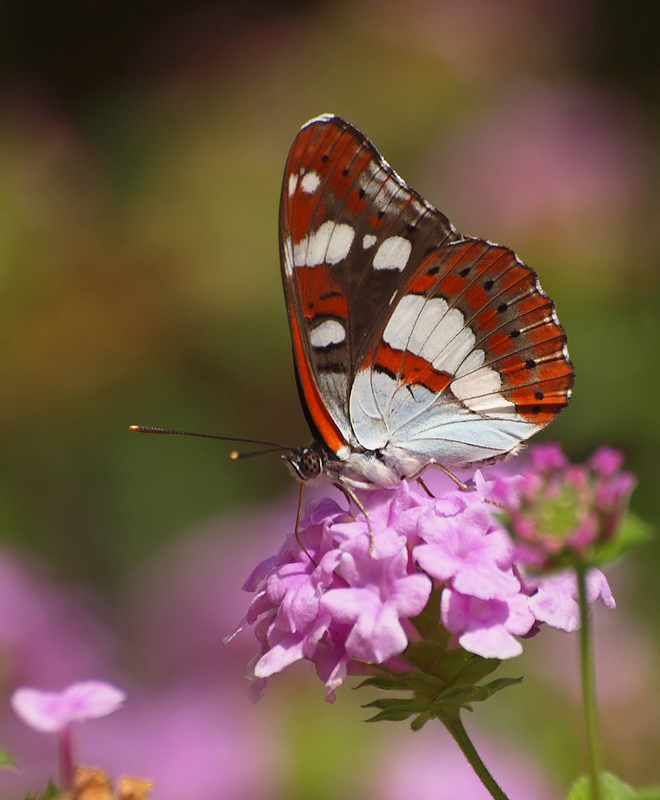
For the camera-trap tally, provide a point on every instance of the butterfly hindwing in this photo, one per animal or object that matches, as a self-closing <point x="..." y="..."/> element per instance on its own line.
<point x="471" y="362"/>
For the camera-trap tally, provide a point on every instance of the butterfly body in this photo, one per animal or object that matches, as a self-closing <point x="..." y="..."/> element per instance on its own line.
<point x="413" y="345"/>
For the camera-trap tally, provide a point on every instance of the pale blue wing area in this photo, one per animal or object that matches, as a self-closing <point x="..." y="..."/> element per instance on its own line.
<point x="386" y="415"/>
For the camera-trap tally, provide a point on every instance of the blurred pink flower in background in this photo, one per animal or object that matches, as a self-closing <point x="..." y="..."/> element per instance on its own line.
<point x="543" y="162"/>
<point x="181" y="606"/>
<point x="427" y="765"/>
<point x="485" y="42"/>
<point x="193" y="737"/>
<point x="50" y="634"/>
<point x="193" y="741"/>
<point x="52" y="712"/>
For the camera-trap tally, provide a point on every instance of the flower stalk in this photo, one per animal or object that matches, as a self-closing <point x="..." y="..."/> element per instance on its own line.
<point x="457" y="730"/>
<point x="65" y="752"/>
<point x="587" y="665"/>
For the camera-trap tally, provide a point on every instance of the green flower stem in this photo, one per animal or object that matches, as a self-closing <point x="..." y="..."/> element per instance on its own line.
<point x="589" y="688"/>
<point x="455" y="727"/>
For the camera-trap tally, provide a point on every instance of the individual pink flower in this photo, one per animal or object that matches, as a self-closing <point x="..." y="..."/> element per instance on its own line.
<point x="51" y="712"/>
<point x="470" y="550"/>
<point x="554" y="597"/>
<point x="487" y="627"/>
<point x="55" y="712"/>
<point x="379" y="593"/>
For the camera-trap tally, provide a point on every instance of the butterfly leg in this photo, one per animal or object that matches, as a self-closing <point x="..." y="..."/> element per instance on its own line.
<point x="350" y="495"/>
<point x="298" y="517"/>
<point x="433" y="463"/>
<point x="425" y="487"/>
<point x="461" y="485"/>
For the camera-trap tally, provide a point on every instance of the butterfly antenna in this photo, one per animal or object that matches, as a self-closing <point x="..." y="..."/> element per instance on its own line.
<point x="236" y="456"/>
<point x="272" y="447"/>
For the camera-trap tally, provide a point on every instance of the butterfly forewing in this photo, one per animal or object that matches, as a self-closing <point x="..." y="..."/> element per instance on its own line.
<point x="413" y="345"/>
<point x="351" y="231"/>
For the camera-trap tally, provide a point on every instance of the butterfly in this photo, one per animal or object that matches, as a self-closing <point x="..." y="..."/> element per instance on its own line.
<point x="413" y="345"/>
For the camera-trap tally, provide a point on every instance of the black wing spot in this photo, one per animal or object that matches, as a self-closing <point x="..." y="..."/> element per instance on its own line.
<point x="361" y="193"/>
<point x="325" y="157"/>
<point x="381" y="213"/>
<point x="465" y="272"/>
<point x="530" y="364"/>
<point x="539" y="395"/>
<point x="515" y="334"/>
<point x="346" y="172"/>
<point x="385" y="371"/>
<point x="488" y="285"/>
<point x="502" y="308"/>
<point x="535" y="409"/>
<point x="433" y="271"/>
<point x="328" y="295"/>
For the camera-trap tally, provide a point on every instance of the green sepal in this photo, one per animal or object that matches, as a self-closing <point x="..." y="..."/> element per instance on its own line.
<point x="432" y="695"/>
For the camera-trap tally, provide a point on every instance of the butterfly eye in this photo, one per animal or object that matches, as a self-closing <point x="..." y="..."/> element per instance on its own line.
<point x="305" y="463"/>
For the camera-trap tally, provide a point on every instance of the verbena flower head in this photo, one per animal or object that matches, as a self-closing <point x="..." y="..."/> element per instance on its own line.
<point x="562" y="512"/>
<point x="440" y="569"/>
<point x="53" y="712"/>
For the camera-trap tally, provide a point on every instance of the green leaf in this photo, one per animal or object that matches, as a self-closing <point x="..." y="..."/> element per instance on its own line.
<point x="477" y="668"/>
<point x="612" y="789"/>
<point x="7" y="760"/>
<point x="51" y="793"/>
<point x="390" y="716"/>
<point x="501" y="683"/>
<point x="632" y="533"/>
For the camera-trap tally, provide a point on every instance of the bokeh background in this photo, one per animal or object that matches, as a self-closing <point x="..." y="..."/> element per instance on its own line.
<point x="141" y="152"/>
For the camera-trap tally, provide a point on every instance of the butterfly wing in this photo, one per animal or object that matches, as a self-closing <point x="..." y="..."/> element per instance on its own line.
<point x="471" y="362"/>
<point x="351" y="233"/>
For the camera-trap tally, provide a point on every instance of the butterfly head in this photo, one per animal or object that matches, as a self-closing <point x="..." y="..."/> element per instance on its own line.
<point x="306" y="463"/>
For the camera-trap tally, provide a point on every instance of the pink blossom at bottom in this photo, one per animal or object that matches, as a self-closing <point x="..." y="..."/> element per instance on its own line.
<point x="50" y="712"/>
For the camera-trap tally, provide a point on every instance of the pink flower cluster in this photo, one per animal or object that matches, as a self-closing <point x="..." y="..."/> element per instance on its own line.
<point x="562" y="511"/>
<point x="335" y="603"/>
